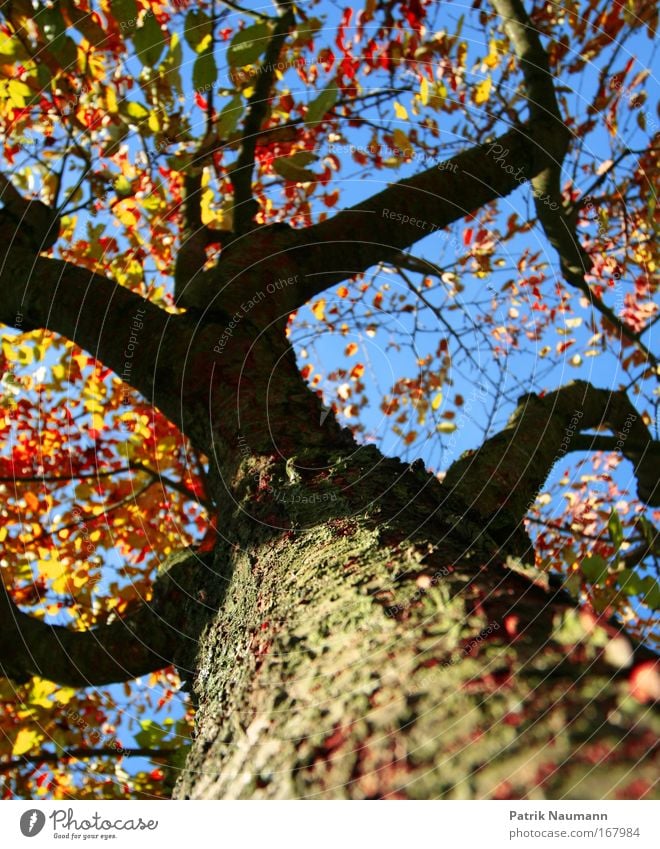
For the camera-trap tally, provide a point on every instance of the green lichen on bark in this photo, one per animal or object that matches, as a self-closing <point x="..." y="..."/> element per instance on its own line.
<point x="377" y="649"/>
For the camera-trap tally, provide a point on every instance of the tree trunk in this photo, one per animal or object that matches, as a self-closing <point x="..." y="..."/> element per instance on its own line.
<point x="374" y="641"/>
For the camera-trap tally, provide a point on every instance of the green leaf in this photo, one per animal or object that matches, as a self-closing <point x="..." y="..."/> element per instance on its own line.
<point x="169" y="67"/>
<point x="615" y="529"/>
<point x="317" y="108"/>
<point x="293" y="167"/>
<point x="302" y="158"/>
<point x="630" y="582"/>
<point x="125" y="12"/>
<point x="151" y="735"/>
<point x="198" y="30"/>
<point x="51" y="23"/>
<point x="229" y="117"/>
<point x="594" y="568"/>
<point x="44" y="76"/>
<point x="649" y="531"/>
<point x="306" y="30"/>
<point x="149" y="41"/>
<point x="248" y="45"/>
<point x="205" y="72"/>
<point x="651" y="593"/>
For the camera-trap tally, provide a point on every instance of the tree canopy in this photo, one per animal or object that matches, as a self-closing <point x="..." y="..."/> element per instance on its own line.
<point x="472" y="190"/>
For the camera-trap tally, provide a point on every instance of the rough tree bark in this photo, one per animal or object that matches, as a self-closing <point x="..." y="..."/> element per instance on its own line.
<point x="359" y="630"/>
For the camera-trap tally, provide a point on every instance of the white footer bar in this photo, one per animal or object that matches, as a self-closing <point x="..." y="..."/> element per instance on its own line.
<point x="350" y="825"/>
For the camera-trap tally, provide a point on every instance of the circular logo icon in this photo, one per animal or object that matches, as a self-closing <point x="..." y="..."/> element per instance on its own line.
<point x="32" y="822"/>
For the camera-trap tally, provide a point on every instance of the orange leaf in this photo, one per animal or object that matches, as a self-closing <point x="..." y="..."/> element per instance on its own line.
<point x="32" y="501"/>
<point x="357" y="371"/>
<point x="351" y="349"/>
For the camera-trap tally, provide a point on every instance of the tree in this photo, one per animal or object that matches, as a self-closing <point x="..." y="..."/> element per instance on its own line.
<point x="348" y="624"/>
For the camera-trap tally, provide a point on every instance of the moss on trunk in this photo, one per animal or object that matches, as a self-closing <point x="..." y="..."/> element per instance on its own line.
<point x="372" y="643"/>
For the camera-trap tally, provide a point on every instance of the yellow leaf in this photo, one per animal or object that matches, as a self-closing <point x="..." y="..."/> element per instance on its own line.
<point x="51" y="569"/>
<point x="446" y="427"/>
<point x="436" y="401"/>
<point x="25" y="740"/>
<point x="424" y="91"/>
<point x="318" y="308"/>
<point x="18" y="92"/>
<point x="206" y="200"/>
<point x="482" y="91"/>
<point x="39" y="692"/>
<point x="23" y="354"/>
<point x="493" y="58"/>
<point x="111" y="100"/>
<point x="79" y="578"/>
<point x="65" y="694"/>
<point x="126" y="213"/>
<point x="400" y="111"/>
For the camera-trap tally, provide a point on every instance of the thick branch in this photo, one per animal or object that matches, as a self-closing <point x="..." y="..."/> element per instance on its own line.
<point x="539" y="83"/>
<point x="144" y="641"/>
<point x="26" y="223"/>
<point x="379" y="228"/>
<point x="129" y="335"/>
<point x="542" y="102"/>
<point x="501" y="479"/>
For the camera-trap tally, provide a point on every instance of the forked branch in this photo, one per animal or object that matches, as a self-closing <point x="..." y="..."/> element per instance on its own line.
<point x="500" y="480"/>
<point x="556" y="220"/>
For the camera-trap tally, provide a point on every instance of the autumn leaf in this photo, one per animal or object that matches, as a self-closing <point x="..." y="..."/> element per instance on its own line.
<point x="400" y="111"/>
<point x="318" y="308"/>
<point x="482" y="91"/>
<point x="26" y="740"/>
